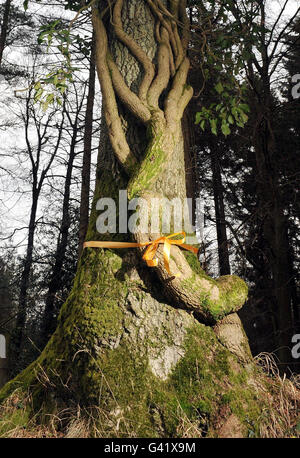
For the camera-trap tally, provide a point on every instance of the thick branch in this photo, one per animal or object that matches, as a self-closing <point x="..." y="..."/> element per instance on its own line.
<point x="165" y="24"/>
<point x="116" y="133"/>
<point x="135" y="49"/>
<point x="179" y="95"/>
<point x="177" y="9"/>
<point x="210" y="299"/>
<point x="129" y="98"/>
<point x="163" y="73"/>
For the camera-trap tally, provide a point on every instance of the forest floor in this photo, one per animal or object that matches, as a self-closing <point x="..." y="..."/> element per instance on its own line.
<point x="17" y="421"/>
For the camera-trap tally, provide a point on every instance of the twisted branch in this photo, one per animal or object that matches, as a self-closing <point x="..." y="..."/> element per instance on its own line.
<point x="113" y="121"/>
<point x="155" y="9"/>
<point x="135" y="49"/>
<point x="163" y="73"/>
<point x="129" y="98"/>
<point x="179" y="95"/>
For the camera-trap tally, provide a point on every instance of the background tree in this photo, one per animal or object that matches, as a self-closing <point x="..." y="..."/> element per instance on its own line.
<point x="247" y="208"/>
<point x="43" y="257"/>
<point x="87" y="153"/>
<point x="40" y="168"/>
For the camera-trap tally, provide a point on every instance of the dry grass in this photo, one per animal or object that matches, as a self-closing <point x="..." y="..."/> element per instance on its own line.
<point x="280" y="418"/>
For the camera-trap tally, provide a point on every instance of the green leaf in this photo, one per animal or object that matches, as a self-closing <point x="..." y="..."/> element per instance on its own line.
<point x="225" y="128"/>
<point x="198" y="117"/>
<point x="244" y="116"/>
<point x="213" y="126"/>
<point x="45" y="106"/>
<point x="38" y="94"/>
<point x="245" y="107"/>
<point x="50" y="98"/>
<point x="219" y="88"/>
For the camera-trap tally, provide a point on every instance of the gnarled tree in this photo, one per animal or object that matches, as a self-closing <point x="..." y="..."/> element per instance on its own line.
<point x="146" y="352"/>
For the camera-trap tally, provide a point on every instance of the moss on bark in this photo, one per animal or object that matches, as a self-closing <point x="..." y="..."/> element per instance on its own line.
<point x="141" y="365"/>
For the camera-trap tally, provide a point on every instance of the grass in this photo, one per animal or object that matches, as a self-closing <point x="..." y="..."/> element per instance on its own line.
<point x="280" y="419"/>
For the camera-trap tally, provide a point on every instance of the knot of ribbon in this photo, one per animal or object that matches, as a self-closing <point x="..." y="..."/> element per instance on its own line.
<point x="152" y="246"/>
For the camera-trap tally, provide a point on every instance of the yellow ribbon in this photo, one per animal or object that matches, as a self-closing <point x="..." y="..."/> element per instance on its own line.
<point x="149" y="255"/>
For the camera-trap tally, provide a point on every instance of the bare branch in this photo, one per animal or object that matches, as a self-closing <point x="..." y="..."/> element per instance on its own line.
<point x="284" y="29"/>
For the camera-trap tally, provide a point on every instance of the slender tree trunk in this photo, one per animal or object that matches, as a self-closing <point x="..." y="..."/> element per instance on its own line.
<point x="51" y="311"/>
<point x="25" y="278"/>
<point x="86" y="160"/>
<point x="276" y="244"/>
<point x="4" y="27"/>
<point x="224" y="265"/>
<point x="37" y="183"/>
<point x="274" y="222"/>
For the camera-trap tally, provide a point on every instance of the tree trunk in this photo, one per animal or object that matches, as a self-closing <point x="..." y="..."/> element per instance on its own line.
<point x="4" y="27"/>
<point x="224" y="265"/>
<point x="270" y="205"/>
<point x="50" y="314"/>
<point x="25" y="277"/>
<point x="275" y="237"/>
<point x="37" y="183"/>
<point x="146" y="353"/>
<point x="86" y="160"/>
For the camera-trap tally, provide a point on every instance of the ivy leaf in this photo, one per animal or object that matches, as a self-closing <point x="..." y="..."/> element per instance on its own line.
<point x="213" y="126"/>
<point x="198" y="117"/>
<point x="219" y="88"/>
<point x="245" y="107"/>
<point x="225" y="128"/>
<point x="244" y="117"/>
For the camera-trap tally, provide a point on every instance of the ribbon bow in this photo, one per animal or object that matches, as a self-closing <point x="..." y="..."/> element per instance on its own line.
<point x="152" y="246"/>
